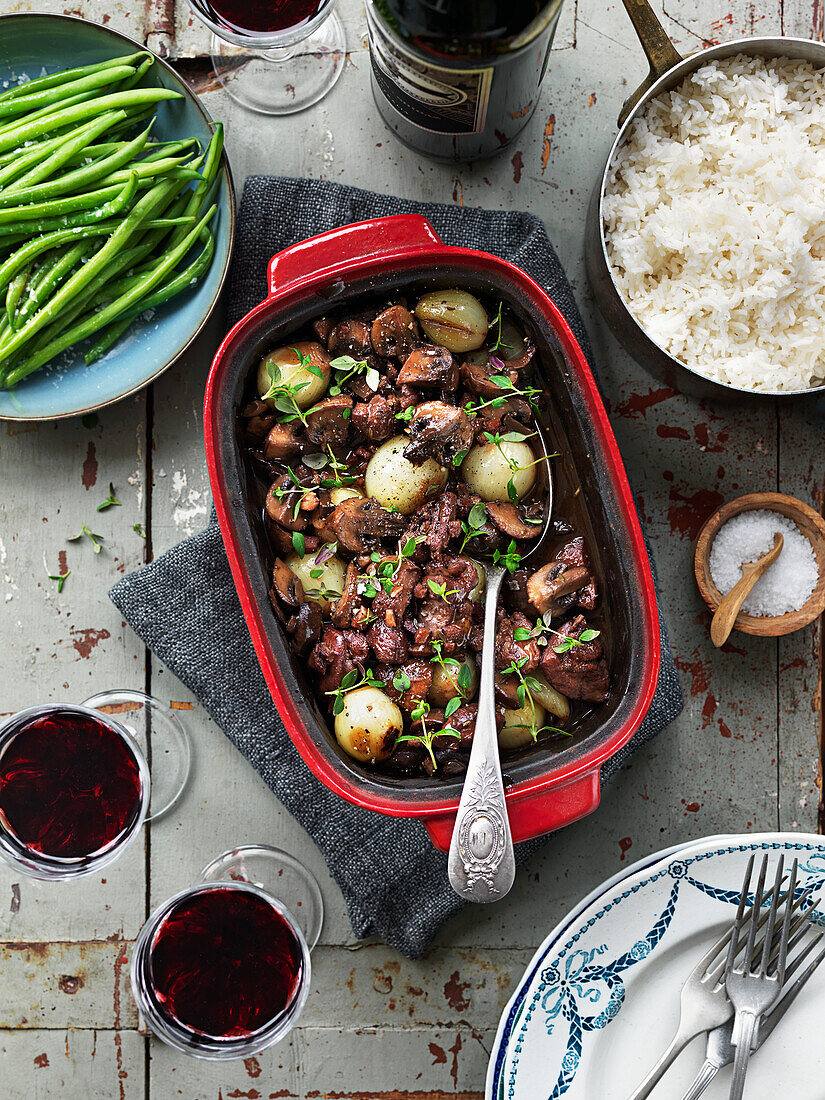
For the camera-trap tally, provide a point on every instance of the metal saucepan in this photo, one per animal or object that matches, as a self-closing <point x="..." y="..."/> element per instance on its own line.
<point x="668" y="69"/>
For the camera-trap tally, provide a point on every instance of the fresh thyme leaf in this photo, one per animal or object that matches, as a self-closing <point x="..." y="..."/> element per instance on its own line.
<point x="522" y="634"/>
<point x="111" y="501"/>
<point x="139" y="529"/>
<point x="406" y="414"/>
<point x="478" y="515"/>
<point x="299" y="543"/>
<point x="452" y="706"/>
<point x="60" y="578"/>
<point x="97" y="540"/>
<point x="316" y="461"/>
<point x="401" y="681"/>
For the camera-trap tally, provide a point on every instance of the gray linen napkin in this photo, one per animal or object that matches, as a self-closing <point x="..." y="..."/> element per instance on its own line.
<point x="184" y="606"/>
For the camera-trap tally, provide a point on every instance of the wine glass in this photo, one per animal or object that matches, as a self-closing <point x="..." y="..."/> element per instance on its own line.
<point x="222" y="969"/>
<point x="274" y="56"/>
<point x="78" y="781"/>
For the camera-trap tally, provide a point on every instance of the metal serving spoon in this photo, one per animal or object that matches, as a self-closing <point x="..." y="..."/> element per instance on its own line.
<point x="481" y="864"/>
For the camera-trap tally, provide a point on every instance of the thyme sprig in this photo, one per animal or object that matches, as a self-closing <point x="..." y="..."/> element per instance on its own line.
<point x="283" y="395"/>
<point x="351" y="682"/>
<point x="111" y="500"/>
<point x="97" y="540"/>
<point x="421" y="713"/>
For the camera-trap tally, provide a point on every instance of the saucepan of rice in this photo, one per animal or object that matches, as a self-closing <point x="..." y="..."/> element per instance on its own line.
<point x="706" y="238"/>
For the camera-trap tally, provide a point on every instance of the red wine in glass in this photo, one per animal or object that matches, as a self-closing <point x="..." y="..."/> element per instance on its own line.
<point x="71" y="786"/>
<point x="252" y="17"/>
<point x="274" y="56"/>
<point x="225" y="963"/>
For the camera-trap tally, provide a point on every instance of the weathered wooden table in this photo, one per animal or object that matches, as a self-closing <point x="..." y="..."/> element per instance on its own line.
<point x="745" y="755"/>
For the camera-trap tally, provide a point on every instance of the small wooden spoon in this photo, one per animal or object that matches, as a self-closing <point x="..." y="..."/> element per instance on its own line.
<point x="728" y="609"/>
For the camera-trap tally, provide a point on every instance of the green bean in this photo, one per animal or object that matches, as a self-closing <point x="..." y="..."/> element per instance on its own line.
<point x="110" y="336"/>
<point x="49" y="113"/>
<point x="111" y="209"/>
<point x="35" y="212"/>
<point x="145" y="208"/>
<point x="22" y="104"/>
<point x="15" y="292"/>
<point x="69" y="75"/>
<point x="98" y="290"/>
<point x="211" y="164"/>
<point x="53" y="275"/>
<point x="28" y="129"/>
<point x="141" y="71"/>
<point x="42" y="151"/>
<point x="103" y="317"/>
<point x="101" y="171"/>
<point x="34" y="248"/>
<point x="74" y="143"/>
<point x="145" y="169"/>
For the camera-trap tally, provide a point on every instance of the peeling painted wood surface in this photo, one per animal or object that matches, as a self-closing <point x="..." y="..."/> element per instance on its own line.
<point x="744" y="755"/>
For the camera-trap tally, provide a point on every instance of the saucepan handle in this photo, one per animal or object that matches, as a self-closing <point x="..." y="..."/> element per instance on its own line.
<point x="328" y="252"/>
<point x="534" y="814"/>
<point x="659" y="50"/>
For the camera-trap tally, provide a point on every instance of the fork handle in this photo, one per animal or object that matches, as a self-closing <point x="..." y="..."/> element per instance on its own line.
<point x="701" y="1081"/>
<point x="744" y="1028"/>
<point x="678" y="1043"/>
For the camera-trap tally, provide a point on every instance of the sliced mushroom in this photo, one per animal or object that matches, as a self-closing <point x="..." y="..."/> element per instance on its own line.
<point x="429" y="366"/>
<point x="476" y="377"/>
<point x="440" y="431"/>
<point x="284" y="441"/>
<point x="360" y="523"/>
<point x="327" y="424"/>
<point x="394" y="332"/>
<point x="506" y="517"/>
<point x="552" y="581"/>
<point x="350" y="338"/>
<point x="282" y="508"/>
<point x="287" y="586"/>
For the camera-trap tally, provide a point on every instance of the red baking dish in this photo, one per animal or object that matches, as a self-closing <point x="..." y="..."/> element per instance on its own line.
<point x="546" y="789"/>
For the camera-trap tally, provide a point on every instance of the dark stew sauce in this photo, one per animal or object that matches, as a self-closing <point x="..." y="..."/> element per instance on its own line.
<point x="396" y="445"/>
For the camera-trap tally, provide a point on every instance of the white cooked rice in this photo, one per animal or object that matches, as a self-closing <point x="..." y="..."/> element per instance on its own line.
<point x="715" y="222"/>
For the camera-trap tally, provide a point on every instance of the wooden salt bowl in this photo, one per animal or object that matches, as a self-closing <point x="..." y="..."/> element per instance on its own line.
<point x="810" y="523"/>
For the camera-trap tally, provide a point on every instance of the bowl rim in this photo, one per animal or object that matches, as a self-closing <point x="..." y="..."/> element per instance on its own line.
<point x="689" y="64"/>
<point x="418" y="801"/>
<point x="763" y="626"/>
<point x="231" y="196"/>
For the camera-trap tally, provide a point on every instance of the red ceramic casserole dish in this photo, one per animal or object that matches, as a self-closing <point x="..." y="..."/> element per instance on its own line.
<point x="545" y="789"/>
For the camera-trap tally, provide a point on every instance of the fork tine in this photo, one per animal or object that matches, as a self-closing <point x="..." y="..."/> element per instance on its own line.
<point x="768" y="945"/>
<point x="786" y="925"/>
<point x="747" y="964"/>
<point x="740" y="912"/>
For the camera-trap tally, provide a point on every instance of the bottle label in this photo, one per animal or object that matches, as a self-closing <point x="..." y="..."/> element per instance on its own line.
<point x="441" y="100"/>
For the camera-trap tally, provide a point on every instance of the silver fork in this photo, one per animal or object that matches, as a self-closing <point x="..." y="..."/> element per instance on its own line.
<point x="720" y="1052"/>
<point x="755" y="984"/>
<point x="704" y="999"/>
<point x="704" y="1006"/>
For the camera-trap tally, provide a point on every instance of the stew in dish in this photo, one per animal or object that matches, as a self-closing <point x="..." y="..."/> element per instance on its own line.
<point x="396" y="447"/>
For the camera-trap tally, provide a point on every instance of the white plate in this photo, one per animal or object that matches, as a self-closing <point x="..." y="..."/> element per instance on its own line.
<point x="600" y="1000"/>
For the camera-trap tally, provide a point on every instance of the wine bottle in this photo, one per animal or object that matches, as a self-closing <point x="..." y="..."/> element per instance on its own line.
<point x="458" y="79"/>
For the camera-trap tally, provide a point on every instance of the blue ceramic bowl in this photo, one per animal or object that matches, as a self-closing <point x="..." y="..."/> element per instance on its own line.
<point x="29" y="44"/>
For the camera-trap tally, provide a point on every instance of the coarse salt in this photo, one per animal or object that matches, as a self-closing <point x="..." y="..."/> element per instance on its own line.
<point x="787" y="584"/>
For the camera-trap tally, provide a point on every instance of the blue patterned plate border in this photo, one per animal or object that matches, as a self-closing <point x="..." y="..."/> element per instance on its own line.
<point x="512" y="1010"/>
<point x="567" y="977"/>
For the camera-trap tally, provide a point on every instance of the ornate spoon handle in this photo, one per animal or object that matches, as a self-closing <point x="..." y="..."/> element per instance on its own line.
<point x="481" y="864"/>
